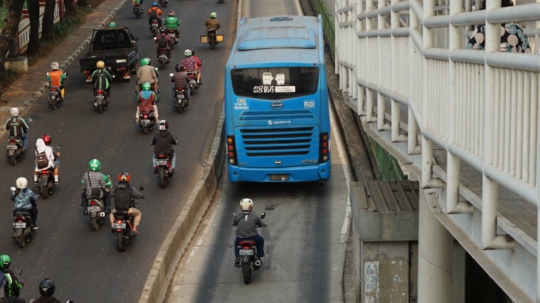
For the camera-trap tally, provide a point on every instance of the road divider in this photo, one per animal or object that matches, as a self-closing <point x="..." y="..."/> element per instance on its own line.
<point x="177" y="241"/>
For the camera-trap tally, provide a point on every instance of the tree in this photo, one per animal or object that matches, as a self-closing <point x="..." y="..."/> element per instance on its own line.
<point x="83" y="3"/>
<point x="33" y="14"/>
<point x="47" y="30"/>
<point x="70" y="8"/>
<point x="10" y="30"/>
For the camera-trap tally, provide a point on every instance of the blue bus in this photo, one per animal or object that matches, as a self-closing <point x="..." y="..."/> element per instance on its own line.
<point x="277" y="123"/>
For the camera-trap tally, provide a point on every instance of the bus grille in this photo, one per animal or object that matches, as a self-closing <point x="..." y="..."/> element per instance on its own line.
<point x="264" y="142"/>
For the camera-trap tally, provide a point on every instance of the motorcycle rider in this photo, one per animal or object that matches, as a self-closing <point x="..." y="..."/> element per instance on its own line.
<point x="162" y="142"/>
<point x="147" y="73"/>
<point x="155" y="14"/>
<point x="164" y="43"/>
<point x="199" y="65"/>
<point x="13" y="287"/>
<point x="95" y="185"/>
<point x="247" y="222"/>
<point x="46" y="289"/>
<point x="171" y="22"/>
<point x="44" y="160"/>
<point x="147" y="102"/>
<point x="56" y="78"/>
<point x="17" y="127"/>
<point x="213" y="22"/>
<point x="123" y="195"/>
<point x="140" y="2"/>
<point x="180" y="79"/>
<point x="101" y="79"/>
<point x="190" y="64"/>
<point x="25" y="200"/>
<point x="47" y="139"/>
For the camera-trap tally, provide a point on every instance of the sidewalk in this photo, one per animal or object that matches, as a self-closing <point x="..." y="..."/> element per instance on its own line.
<point x="32" y="84"/>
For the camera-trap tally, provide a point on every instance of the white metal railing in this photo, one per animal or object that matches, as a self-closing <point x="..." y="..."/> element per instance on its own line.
<point x="481" y="106"/>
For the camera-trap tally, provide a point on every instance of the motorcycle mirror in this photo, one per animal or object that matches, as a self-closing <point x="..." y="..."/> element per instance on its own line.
<point x="66" y="73"/>
<point x="141" y="188"/>
<point x="58" y="147"/>
<point x="12" y="188"/>
<point x="171" y="75"/>
<point x="30" y="120"/>
<point x="155" y="38"/>
<point x="137" y="39"/>
<point x="47" y="74"/>
<point x="20" y="272"/>
<point x="263" y="215"/>
<point x="234" y="215"/>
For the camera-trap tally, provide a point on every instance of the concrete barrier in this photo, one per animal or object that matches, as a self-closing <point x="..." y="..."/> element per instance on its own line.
<point x="183" y="230"/>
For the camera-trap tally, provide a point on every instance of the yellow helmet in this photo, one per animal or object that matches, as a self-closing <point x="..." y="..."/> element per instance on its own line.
<point x="100" y="64"/>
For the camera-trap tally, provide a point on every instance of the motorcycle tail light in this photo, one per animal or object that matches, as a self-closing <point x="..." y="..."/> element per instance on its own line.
<point x="119" y="222"/>
<point x="99" y="92"/>
<point x="12" y="141"/>
<point x="146" y="116"/>
<point x="53" y="89"/>
<point x="44" y="171"/>
<point x="92" y="202"/>
<point x="246" y="247"/>
<point x="154" y="22"/>
<point x="19" y="218"/>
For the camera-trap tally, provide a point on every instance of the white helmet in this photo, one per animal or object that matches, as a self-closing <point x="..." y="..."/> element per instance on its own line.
<point x="21" y="183"/>
<point x="246" y="204"/>
<point x="187" y="52"/>
<point x="55" y="65"/>
<point x="14" y="112"/>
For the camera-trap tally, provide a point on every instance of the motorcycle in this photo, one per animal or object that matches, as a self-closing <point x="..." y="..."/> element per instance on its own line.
<point x="154" y="28"/>
<point x="163" y="59"/>
<point x="96" y="211"/>
<point x="172" y="35"/>
<point x="138" y="10"/>
<point x="212" y="38"/>
<point x="45" y="182"/>
<point x="180" y="100"/>
<point x="14" y="150"/>
<point x="163" y="2"/>
<point x="193" y="85"/>
<point x="22" y="226"/>
<point x="247" y="250"/>
<point x="163" y="169"/>
<point x="122" y="227"/>
<point x="146" y="121"/>
<point x="55" y="97"/>
<point x="101" y="101"/>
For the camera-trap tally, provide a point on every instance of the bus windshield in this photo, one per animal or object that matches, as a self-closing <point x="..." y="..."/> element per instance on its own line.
<point x="275" y="83"/>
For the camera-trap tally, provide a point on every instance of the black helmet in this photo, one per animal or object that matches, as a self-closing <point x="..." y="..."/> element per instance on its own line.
<point x="192" y="52"/>
<point x="179" y="67"/>
<point x="46" y="287"/>
<point x="162" y="30"/>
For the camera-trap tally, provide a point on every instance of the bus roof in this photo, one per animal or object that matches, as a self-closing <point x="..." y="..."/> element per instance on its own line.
<point x="278" y="39"/>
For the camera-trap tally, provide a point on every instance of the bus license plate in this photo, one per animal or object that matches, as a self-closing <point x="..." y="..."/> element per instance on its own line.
<point x="121" y="225"/>
<point x="246" y="252"/>
<point x="19" y="224"/>
<point x="93" y="208"/>
<point x="279" y="177"/>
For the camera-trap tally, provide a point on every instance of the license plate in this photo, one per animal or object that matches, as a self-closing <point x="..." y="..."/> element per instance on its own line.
<point x="246" y="252"/>
<point x="121" y="225"/>
<point x="279" y="177"/>
<point x="145" y="122"/>
<point x="93" y="208"/>
<point x="13" y="147"/>
<point x="19" y="224"/>
<point x="161" y="162"/>
<point x="100" y="97"/>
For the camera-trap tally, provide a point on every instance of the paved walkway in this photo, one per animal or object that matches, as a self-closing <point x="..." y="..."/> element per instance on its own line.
<point x="25" y="91"/>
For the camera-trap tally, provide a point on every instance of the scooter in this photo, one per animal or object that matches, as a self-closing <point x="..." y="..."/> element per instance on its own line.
<point x="122" y="227"/>
<point x="138" y="9"/>
<point x="247" y="250"/>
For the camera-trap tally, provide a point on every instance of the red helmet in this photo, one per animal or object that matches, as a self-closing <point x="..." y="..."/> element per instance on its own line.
<point x="47" y="139"/>
<point x="124" y="177"/>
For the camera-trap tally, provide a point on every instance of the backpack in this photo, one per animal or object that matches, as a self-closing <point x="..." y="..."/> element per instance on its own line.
<point x="162" y="42"/>
<point x="147" y="105"/>
<point x="41" y="160"/>
<point x="122" y="198"/>
<point x="153" y="14"/>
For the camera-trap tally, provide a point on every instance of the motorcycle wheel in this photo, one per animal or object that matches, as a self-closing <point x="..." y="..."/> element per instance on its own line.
<point x="212" y="42"/>
<point x="120" y="244"/>
<point x="53" y="105"/>
<point x="163" y="65"/>
<point x="138" y="15"/>
<point x="13" y="160"/>
<point x="95" y="223"/>
<point x="145" y="130"/>
<point x="100" y="108"/>
<point x="246" y="270"/>
<point x="21" y="241"/>
<point x="44" y="192"/>
<point x="161" y="177"/>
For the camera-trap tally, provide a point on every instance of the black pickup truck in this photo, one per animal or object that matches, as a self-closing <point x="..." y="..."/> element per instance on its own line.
<point x="114" y="46"/>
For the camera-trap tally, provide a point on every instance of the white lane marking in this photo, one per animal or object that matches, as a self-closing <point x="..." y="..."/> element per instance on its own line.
<point x="347" y="221"/>
<point x="205" y="232"/>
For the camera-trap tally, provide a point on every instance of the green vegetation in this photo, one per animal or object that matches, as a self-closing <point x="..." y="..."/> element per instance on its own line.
<point x="3" y="13"/>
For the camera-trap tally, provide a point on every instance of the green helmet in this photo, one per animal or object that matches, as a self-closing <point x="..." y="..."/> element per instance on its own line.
<point x="213" y="15"/>
<point x="146" y="86"/>
<point x="112" y="25"/>
<point x="5" y="261"/>
<point x="94" y="165"/>
<point x="144" y="61"/>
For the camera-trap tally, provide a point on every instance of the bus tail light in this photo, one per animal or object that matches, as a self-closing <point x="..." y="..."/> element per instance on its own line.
<point x="231" y="150"/>
<point x="324" y="148"/>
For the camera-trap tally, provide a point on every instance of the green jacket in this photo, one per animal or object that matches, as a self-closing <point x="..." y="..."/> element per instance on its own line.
<point x="172" y="22"/>
<point x="13" y="287"/>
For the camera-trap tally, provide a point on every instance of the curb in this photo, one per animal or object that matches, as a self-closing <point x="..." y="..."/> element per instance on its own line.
<point x="179" y="237"/>
<point x="66" y="63"/>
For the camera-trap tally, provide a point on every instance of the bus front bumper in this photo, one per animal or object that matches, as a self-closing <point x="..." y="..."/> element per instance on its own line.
<point x="319" y="172"/>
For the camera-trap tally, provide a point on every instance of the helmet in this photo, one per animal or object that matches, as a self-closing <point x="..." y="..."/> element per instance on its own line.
<point x="148" y="61"/>
<point x="112" y="25"/>
<point x="246" y="204"/>
<point x="154" y="4"/>
<point x="171" y="13"/>
<point x="146" y="86"/>
<point x="14" y="112"/>
<point x="55" y="65"/>
<point x="179" y="67"/>
<point x="21" y="183"/>
<point x="100" y="64"/>
<point x="162" y="31"/>
<point x="187" y="53"/>
<point x="124" y="177"/>
<point x="145" y="61"/>
<point x="94" y="165"/>
<point x="192" y="51"/>
<point x="46" y="287"/>
<point x="47" y="139"/>
<point x="213" y="15"/>
<point x="5" y="261"/>
<point x="163" y="125"/>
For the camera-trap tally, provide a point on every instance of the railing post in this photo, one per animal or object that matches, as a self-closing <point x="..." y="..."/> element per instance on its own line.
<point x="394" y="111"/>
<point x="369" y="92"/>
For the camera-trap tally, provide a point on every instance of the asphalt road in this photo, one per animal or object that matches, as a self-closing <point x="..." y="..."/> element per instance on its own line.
<point x="305" y="239"/>
<point x="85" y="264"/>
